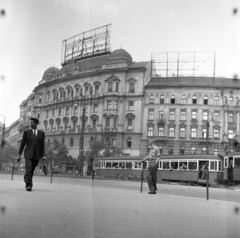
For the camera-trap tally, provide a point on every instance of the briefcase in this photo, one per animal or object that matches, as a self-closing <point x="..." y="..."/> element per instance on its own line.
<point x="45" y="169"/>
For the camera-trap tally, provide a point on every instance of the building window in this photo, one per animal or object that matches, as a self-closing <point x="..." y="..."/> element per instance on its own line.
<point x="161" y="99"/>
<point x="215" y="151"/>
<point x="216" y="116"/>
<point x="74" y="124"/>
<point x="40" y="99"/>
<point x="216" y="100"/>
<point x="172" y="115"/>
<point x="204" y="133"/>
<point x="67" y="110"/>
<point x="205" y="116"/>
<point x="130" y="124"/>
<point x="150" y="114"/>
<point x="58" y="125"/>
<point x="131" y="88"/>
<point x="194" y="100"/>
<point x="63" y="141"/>
<point x="129" y="143"/>
<point x="59" y="111"/>
<point x="204" y="150"/>
<point x="231" y="101"/>
<point x="71" y="142"/>
<point x="193" y="150"/>
<point x="96" y="89"/>
<point x="117" y="85"/>
<point x="230" y="117"/>
<point x="115" y="105"/>
<point x="183" y="99"/>
<point x="115" y="123"/>
<point x="114" y="142"/>
<point x="160" y="131"/>
<point x="182" y="150"/>
<point x="230" y="134"/>
<point x="182" y="132"/>
<point x="151" y="99"/>
<point x="107" y="122"/>
<point x="194" y="115"/>
<point x="182" y="115"/>
<point x="193" y="133"/>
<point x="172" y="99"/>
<point x="170" y="152"/>
<point x="94" y="123"/>
<point x="86" y="90"/>
<point x="66" y="125"/>
<point x="216" y="133"/>
<point x="38" y="115"/>
<point x="130" y="106"/>
<point x="110" y="85"/>
<point x="48" y="97"/>
<point x="171" y="132"/>
<point x="160" y="149"/>
<point x="205" y="100"/>
<point x="161" y="115"/>
<point x="45" y="127"/>
<point x="53" y="112"/>
<point x="47" y="114"/>
<point x="150" y="131"/>
<point x="75" y="109"/>
<point x="109" y="105"/>
<point x="95" y="108"/>
<point x="51" y="127"/>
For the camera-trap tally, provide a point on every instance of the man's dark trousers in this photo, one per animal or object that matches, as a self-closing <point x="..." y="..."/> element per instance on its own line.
<point x="152" y="176"/>
<point x="30" y="165"/>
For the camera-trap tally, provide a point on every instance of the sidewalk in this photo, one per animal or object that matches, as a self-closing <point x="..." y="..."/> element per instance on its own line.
<point x="70" y="210"/>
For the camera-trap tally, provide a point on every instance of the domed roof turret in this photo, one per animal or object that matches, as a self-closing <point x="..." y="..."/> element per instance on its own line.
<point x="120" y="53"/>
<point x="50" y="71"/>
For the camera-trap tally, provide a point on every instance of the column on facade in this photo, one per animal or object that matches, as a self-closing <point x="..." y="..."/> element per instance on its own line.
<point x="237" y="123"/>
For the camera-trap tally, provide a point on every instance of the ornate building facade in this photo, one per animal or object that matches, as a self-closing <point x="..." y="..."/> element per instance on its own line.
<point x="192" y="115"/>
<point x="110" y="89"/>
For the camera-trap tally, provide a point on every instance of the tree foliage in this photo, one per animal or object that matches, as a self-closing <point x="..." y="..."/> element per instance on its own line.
<point x="54" y="150"/>
<point x="8" y="153"/>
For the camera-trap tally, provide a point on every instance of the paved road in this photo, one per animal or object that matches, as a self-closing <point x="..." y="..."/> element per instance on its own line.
<point x="72" y="208"/>
<point x="223" y="194"/>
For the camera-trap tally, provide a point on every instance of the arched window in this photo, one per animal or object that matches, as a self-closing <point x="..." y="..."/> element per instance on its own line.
<point x="129" y="142"/>
<point x="71" y="142"/>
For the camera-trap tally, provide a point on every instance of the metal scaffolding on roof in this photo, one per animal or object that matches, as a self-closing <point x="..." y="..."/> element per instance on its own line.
<point x="179" y="64"/>
<point x="87" y="44"/>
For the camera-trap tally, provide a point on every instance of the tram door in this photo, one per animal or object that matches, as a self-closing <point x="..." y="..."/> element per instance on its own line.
<point x="236" y="169"/>
<point x="225" y="169"/>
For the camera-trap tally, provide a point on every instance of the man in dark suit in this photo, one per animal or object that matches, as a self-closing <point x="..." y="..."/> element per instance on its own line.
<point x="33" y="140"/>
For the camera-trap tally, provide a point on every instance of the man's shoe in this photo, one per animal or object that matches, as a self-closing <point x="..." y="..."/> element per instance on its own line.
<point x="29" y="188"/>
<point x="151" y="192"/>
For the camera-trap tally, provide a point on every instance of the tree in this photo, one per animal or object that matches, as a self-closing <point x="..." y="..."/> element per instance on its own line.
<point x="7" y="154"/>
<point x="56" y="151"/>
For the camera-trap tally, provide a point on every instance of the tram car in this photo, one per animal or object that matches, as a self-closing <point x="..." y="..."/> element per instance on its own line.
<point x="231" y="168"/>
<point x="179" y="168"/>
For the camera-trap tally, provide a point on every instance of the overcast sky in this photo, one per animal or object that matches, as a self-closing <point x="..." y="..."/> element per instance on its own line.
<point x="31" y="34"/>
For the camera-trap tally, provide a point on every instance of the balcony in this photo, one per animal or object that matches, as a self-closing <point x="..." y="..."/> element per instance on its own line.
<point x="161" y="122"/>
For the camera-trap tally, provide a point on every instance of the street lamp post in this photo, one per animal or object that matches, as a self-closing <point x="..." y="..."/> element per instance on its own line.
<point x="81" y="141"/>
<point x="3" y="131"/>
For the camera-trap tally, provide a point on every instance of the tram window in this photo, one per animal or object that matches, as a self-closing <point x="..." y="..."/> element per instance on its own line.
<point x="237" y="162"/>
<point x="137" y="165"/>
<point x="220" y="166"/>
<point x="183" y="166"/>
<point x="145" y="165"/>
<point x="174" y="165"/>
<point x="160" y="165"/>
<point x="166" y="165"/>
<point x="115" y="165"/>
<point x="108" y="165"/>
<point x="122" y="165"/>
<point x="212" y="165"/>
<point x="192" y="165"/>
<point x="128" y="165"/>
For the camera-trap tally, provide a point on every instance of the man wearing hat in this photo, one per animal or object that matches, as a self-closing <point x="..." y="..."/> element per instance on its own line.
<point x="153" y="157"/>
<point x="33" y="140"/>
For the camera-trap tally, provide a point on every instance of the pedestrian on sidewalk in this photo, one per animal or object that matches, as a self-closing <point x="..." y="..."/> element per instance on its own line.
<point x="33" y="141"/>
<point x="153" y="157"/>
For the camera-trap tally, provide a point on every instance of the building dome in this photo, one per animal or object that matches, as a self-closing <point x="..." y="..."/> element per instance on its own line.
<point x="50" y="71"/>
<point x="120" y="53"/>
